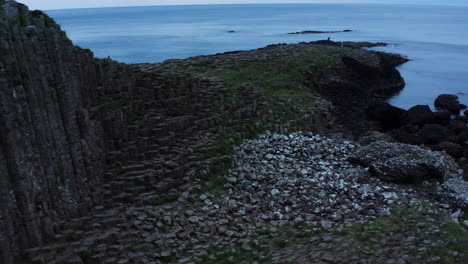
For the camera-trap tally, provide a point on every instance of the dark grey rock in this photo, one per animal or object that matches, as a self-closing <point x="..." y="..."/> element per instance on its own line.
<point x="419" y="115"/>
<point x="442" y="118"/>
<point x="453" y="149"/>
<point x="390" y="116"/>
<point x="434" y="133"/>
<point x="400" y="163"/>
<point x="448" y="102"/>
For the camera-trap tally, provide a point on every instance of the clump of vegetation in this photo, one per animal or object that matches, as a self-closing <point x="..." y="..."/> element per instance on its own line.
<point x="110" y="103"/>
<point x="236" y="254"/>
<point x="22" y="19"/>
<point x="23" y="70"/>
<point x="164" y="199"/>
<point x="88" y="51"/>
<point x="48" y="21"/>
<point x="368" y="239"/>
<point x="59" y="173"/>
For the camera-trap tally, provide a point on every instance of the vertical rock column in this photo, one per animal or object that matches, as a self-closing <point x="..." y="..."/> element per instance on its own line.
<point x="51" y="139"/>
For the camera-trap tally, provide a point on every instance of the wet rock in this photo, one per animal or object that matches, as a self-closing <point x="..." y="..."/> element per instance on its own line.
<point x="442" y="118"/>
<point x="433" y="133"/>
<point x="390" y="116"/>
<point x="418" y="115"/>
<point x="448" y="102"/>
<point x="457" y="126"/>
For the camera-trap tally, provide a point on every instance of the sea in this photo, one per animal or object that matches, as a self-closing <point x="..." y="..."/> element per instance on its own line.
<point x="434" y="38"/>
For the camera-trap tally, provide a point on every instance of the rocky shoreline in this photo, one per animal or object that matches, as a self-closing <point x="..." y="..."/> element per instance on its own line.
<point x="260" y="156"/>
<point x="444" y="130"/>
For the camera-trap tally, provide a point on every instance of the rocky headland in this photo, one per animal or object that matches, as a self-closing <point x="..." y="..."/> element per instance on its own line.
<point x="260" y="156"/>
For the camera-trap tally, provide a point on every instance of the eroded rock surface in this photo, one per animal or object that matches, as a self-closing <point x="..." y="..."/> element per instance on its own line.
<point x="401" y="163"/>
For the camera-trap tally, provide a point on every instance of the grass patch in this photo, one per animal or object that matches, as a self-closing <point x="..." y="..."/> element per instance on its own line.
<point x="22" y="19"/>
<point x="110" y="103"/>
<point x="23" y="69"/>
<point x="369" y="238"/>
<point x="458" y="245"/>
<point x="164" y="199"/>
<point x="59" y="173"/>
<point x="48" y="21"/>
<point x="235" y="254"/>
<point x="280" y="76"/>
<point x="214" y="184"/>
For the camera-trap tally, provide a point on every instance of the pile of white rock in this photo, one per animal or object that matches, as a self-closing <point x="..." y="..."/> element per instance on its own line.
<point x="304" y="178"/>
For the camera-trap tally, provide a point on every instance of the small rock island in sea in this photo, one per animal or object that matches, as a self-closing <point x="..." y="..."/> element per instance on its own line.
<point x="318" y="32"/>
<point x="286" y="153"/>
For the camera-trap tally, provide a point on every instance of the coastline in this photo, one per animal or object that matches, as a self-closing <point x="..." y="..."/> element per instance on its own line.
<point x="143" y="162"/>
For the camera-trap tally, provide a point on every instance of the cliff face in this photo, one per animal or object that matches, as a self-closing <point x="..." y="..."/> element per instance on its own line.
<point x="50" y="138"/>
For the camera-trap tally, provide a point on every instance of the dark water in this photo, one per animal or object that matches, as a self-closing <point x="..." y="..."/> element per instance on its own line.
<point x="435" y="38"/>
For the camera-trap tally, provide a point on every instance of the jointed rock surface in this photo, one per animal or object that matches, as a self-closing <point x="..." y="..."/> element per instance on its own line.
<point x="103" y="162"/>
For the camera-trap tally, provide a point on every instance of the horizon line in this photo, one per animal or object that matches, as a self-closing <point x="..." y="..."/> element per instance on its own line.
<point x="164" y="5"/>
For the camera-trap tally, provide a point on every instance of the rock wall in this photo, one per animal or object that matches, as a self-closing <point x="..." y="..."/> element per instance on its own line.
<point x="51" y="139"/>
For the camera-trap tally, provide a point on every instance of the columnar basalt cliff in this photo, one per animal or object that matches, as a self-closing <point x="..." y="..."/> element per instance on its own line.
<point x="83" y="138"/>
<point x="51" y="139"/>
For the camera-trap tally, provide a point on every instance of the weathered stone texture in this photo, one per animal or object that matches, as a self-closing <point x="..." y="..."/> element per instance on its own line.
<point x="51" y="148"/>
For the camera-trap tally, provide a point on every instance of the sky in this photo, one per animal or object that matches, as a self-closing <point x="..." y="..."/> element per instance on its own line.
<point x="65" y="4"/>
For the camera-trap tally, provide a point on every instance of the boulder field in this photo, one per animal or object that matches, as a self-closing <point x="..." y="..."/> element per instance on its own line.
<point x="237" y="157"/>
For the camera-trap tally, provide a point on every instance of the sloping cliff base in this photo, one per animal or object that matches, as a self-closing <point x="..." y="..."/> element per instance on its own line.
<point x="203" y="160"/>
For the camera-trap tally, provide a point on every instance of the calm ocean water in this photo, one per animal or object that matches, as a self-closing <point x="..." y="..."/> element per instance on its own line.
<point x="435" y="38"/>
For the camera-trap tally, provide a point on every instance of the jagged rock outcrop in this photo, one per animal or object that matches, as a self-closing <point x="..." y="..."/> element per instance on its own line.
<point x="449" y="102"/>
<point x="361" y="82"/>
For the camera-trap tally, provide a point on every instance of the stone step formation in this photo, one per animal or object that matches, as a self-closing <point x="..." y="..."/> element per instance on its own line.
<point x="170" y="152"/>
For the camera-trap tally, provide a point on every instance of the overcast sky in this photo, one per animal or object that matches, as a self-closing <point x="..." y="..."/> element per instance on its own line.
<point x="63" y="4"/>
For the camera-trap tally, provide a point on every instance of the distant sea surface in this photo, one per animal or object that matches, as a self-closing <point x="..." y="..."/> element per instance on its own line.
<point x="435" y="38"/>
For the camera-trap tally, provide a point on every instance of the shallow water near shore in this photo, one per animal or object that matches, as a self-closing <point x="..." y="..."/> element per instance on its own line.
<point x="435" y="38"/>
